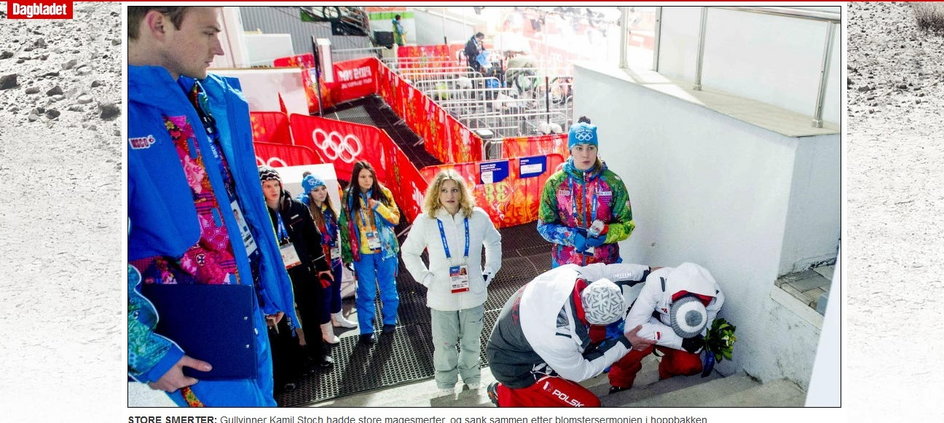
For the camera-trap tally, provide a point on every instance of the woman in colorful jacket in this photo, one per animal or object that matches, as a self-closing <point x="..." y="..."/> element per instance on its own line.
<point x="369" y="241"/>
<point x="453" y="231"/>
<point x="585" y="209"/>
<point x="316" y="197"/>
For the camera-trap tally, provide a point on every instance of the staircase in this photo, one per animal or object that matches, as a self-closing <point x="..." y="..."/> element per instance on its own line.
<point x="738" y="390"/>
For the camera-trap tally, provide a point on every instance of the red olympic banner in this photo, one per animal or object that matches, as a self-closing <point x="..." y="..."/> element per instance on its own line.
<point x="339" y="143"/>
<point x="535" y="145"/>
<point x="511" y="201"/>
<point x="281" y="155"/>
<point x="343" y="143"/>
<point x="423" y="56"/>
<point x="270" y="127"/>
<point x="444" y="137"/>
<point x="306" y="60"/>
<point x="354" y="79"/>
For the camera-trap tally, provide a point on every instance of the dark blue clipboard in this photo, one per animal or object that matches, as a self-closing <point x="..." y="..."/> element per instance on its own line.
<point x="213" y="323"/>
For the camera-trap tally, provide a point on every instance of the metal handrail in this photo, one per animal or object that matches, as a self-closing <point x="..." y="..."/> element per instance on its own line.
<point x="790" y="12"/>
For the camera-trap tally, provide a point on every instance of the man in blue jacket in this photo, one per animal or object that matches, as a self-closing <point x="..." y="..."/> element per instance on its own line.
<point x="195" y="206"/>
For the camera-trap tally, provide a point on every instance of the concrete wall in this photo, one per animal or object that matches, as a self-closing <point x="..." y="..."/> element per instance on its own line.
<point x="812" y="231"/>
<point x="713" y="190"/>
<point x="772" y="59"/>
<point x="430" y="28"/>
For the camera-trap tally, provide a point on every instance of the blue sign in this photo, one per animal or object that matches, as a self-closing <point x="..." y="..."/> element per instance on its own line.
<point x="530" y="167"/>
<point x="492" y="172"/>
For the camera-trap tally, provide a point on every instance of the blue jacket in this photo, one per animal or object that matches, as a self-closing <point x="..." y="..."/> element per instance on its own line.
<point x="163" y="220"/>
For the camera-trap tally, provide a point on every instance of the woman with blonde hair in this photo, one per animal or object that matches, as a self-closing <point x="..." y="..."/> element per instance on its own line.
<point x="453" y="231"/>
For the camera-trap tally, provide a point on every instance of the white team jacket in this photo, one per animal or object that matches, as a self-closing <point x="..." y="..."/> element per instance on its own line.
<point x="424" y="235"/>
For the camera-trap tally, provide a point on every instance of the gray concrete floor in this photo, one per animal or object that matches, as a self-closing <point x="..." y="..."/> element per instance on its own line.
<point x="808" y="286"/>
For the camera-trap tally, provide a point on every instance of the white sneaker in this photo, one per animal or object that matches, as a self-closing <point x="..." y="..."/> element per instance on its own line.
<point x="340" y="322"/>
<point x="327" y="333"/>
<point x="443" y="392"/>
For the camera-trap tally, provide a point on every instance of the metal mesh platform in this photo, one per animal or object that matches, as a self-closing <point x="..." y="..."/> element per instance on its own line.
<point x="407" y="354"/>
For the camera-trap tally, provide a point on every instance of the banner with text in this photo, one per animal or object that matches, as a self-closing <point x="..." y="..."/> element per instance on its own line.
<point x="509" y="198"/>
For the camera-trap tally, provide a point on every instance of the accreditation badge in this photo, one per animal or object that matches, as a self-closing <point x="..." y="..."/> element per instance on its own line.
<point x="459" y="277"/>
<point x="244" y="233"/>
<point x="335" y="252"/>
<point x="373" y="240"/>
<point x="289" y="256"/>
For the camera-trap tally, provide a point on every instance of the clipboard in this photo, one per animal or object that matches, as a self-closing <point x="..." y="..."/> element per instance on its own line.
<point x="213" y="323"/>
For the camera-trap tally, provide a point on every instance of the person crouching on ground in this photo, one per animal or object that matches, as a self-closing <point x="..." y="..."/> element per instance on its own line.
<point x="675" y="307"/>
<point x="550" y="335"/>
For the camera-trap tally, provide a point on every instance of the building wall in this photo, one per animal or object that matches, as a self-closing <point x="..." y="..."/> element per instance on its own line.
<point x="812" y="231"/>
<point x="287" y="20"/>
<point x="431" y="27"/>
<point x="713" y="190"/>
<point x="772" y="59"/>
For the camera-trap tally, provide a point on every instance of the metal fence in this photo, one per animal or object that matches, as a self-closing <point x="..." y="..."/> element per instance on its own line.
<point x="512" y="102"/>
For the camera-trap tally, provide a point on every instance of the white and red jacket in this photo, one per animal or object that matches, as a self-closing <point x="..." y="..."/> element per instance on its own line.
<point x="541" y="329"/>
<point x="651" y="309"/>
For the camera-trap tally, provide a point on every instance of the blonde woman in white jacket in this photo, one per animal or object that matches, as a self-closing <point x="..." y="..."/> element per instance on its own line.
<point x="453" y="231"/>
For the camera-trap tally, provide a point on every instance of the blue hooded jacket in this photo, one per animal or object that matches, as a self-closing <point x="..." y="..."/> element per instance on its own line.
<point x="163" y="220"/>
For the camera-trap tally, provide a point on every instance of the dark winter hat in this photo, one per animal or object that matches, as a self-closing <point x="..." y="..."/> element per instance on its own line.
<point x="582" y="133"/>
<point x="267" y="173"/>
<point x="603" y="302"/>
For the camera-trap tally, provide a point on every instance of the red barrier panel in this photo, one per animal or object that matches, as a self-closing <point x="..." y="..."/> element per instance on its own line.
<point x="354" y="79"/>
<point x="340" y="143"/>
<point x="512" y="200"/>
<point x="444" y="137"/>
<point x="535" y="145"/>
<point x="281" y="155"/>
<point x="270" y="127"/>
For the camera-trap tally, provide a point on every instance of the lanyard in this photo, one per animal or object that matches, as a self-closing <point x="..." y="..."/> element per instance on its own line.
<point x="367" y="223"/>
<point x="442" y="234"/>
<point x="583" y="197"/>
<point x="283" y="234"/>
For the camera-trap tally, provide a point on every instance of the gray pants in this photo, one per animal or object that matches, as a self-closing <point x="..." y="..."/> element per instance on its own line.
<point x="452" y="329"/>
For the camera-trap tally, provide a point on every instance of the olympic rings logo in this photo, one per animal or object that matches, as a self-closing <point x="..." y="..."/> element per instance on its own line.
<point x="272" y="162"/>
<point x="583" y="134"/>
<point x="335" y="146"/>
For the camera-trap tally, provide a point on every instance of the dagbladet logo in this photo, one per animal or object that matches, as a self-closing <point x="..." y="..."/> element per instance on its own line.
<point x="39" y="9"/>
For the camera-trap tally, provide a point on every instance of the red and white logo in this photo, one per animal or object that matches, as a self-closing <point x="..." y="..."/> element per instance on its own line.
<point x="39" y="9"/>
<point x="336" y="146"/>
<point x="139" y="143"/>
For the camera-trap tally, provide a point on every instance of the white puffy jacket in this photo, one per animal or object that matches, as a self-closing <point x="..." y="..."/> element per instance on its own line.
<point x="424" y="235"/>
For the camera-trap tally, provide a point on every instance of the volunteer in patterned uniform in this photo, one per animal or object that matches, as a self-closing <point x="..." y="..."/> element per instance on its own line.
<point x="550" y="335"/>
<point x="368" y="240"/>
<point x="453" y="231"/>
<point x="194" y="202"/>
<point x="675" y="308"/>
<point x="585" y="208"/>
<point x="315" y="196"/>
